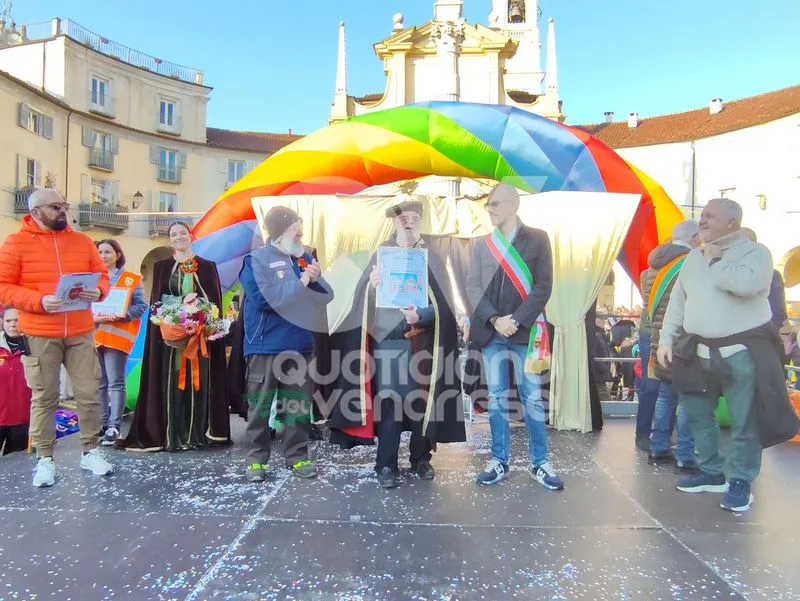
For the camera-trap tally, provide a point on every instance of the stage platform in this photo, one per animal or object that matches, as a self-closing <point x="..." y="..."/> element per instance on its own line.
<point x="189" y="526"/>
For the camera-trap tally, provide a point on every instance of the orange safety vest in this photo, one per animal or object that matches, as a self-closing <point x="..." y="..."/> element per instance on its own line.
<point x="120" y="335"/>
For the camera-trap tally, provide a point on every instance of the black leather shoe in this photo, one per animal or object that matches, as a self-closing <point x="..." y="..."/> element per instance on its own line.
<point x="425" y="470"/>
<point x="387" y="478"/>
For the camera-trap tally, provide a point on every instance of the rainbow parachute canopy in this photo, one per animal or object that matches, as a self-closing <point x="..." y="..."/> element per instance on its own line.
<point x="437" y="138"/>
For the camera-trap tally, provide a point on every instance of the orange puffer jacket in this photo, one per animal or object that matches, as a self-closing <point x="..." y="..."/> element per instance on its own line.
<point x="31" y="263"/>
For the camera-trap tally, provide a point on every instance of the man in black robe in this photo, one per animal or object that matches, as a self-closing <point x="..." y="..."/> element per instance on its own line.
<point x="399" y="350"/>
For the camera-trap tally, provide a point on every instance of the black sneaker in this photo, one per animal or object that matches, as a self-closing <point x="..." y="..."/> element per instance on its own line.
<point x="687" y="467"/>
<point x="425" y="470"/>
<point x="643" y="443"/>
<point x="661" y="457"/>
<point x="387" y="478"/>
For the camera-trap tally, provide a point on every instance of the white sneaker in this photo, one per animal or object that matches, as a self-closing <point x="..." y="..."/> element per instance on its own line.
<point x="45" y="474"/>
<point x="96" y="463"/>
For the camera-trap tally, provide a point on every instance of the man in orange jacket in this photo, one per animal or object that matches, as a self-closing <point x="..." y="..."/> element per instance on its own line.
<point x="31" y="264"/>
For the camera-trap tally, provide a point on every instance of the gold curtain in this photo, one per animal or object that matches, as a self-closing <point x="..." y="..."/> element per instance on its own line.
<point x="586" y="232"/>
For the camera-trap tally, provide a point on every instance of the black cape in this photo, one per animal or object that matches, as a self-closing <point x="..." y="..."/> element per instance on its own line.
<point x="148" y="430"/>
<point x="351" y="420"/>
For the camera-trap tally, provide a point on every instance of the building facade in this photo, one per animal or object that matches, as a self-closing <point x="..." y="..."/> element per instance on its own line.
<point x="746" y="150"/>
<point x="121" y="134"/>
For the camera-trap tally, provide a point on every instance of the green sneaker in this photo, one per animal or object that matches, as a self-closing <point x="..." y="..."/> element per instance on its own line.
<point x="304" y="469"/>
<point x="256" y="472"/>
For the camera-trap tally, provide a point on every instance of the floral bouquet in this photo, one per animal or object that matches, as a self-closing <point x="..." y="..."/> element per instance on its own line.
<point x="180" y="318"/>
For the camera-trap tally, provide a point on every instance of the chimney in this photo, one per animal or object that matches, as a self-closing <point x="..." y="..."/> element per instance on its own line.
<point x="609" y="115"/>
<point x="290" y="131"/>
<point x="633" y="119"/>
<point x="715" y="106"/>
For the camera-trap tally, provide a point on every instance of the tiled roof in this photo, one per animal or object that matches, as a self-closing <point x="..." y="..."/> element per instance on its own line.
<point x="368" y="98"/>
<point x="248" y="141"/>
<point x="699" y="123"/>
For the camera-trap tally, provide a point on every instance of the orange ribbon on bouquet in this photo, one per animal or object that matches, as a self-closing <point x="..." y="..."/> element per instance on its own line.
<point x="195" y="346"/>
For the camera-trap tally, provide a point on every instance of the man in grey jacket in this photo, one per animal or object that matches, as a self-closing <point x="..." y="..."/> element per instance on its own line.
<point x="721" y="292"/>
<point x="509" y="284"/>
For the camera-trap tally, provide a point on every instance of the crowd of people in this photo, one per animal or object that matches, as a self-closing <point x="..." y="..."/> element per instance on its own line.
<point x="705" y="330"/>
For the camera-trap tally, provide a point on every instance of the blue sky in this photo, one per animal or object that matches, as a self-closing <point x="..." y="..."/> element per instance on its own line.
<point x="272" y="62"/>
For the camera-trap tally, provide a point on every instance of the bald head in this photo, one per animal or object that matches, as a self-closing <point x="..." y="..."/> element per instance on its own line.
<point x="49" y="209"/>
<point x="504" y="193"/>
<point x="44" y="196"/>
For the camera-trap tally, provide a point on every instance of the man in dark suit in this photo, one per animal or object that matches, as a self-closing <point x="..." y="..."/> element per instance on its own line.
<point x="509" y="284"/>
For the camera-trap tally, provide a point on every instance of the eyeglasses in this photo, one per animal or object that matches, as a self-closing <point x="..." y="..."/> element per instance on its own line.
<point x="59" y="207"/>
<point x="495" y="203"/>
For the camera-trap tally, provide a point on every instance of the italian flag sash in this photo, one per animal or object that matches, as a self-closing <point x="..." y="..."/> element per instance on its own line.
<point x="538" y="358"/>
<point x="665" y="276"/>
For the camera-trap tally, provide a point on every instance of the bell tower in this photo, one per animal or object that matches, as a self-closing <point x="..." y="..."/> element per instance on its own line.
<point x="519" y="20"/>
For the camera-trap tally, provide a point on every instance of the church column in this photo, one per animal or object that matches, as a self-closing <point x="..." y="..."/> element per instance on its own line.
<point x="448" y="36"/>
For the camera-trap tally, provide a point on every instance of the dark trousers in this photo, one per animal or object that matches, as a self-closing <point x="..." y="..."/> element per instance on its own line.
<point x="397" y="405"/>
<point x="269" y="379"/>
<point x="648" y="392"/>
<point x="13" y="438"/>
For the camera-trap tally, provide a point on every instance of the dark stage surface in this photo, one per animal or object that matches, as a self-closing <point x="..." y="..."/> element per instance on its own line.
<point x="188" y="526"/>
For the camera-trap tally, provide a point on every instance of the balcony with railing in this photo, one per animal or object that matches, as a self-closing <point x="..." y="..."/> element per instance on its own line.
<point x="98" y="214"/>
<point x="101" y="159"/>
<point x="159" y="224"/>
<point x="123" y="53"/>
<point x="21" y="201"/>
<point x="170" y="175"/>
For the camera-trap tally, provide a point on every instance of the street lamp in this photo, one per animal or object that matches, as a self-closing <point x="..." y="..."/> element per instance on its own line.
<point x="137" y="200"/>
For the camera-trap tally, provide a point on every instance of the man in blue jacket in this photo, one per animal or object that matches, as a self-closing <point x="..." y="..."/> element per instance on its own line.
<point x="284" y="305"/>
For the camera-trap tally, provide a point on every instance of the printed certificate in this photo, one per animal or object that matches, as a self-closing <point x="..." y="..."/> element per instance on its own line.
<point x="404" y="277"/>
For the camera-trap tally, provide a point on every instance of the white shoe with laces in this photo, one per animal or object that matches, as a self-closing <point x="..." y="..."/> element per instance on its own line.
<point x="45" y="474"/>
<point x="94" y="462"/>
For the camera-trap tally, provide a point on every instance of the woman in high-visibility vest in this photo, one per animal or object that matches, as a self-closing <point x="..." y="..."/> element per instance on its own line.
<point x="114" y="338"/>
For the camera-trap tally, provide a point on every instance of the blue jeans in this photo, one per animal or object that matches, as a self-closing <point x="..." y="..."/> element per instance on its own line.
<point x="666" y="405"/>
<point x="648" y="392"/>
<point x="496" y="357"/>
<point x="112" y="385"/>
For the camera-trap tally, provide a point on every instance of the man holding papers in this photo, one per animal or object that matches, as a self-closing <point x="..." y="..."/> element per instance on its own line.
<point x="33" y="263"/>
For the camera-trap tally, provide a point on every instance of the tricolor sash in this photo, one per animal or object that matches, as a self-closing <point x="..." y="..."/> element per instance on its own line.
<point x="538" y="357"/>
<point x="665" y="276"/>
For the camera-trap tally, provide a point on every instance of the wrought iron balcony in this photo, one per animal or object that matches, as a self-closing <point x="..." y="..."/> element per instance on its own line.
<point x="99" y="214"/>
<point x="21" y="201"/>
<point x="169" y="175"/>
<point x="101" y="159"/>
<point x="159" y="224"/>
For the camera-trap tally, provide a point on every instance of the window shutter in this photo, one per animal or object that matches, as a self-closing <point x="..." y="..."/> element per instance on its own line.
<point x="181" y="159"/>
<point x="249" y="166"/>
<point x="37" y="174"/>
<point x="85" y="188"/>
<point x="24" y="115"/>
<point x="113" y="192"/>
<point x="155" y="155"/>
<point x="87" y="137"/>
<point x="113" y="144"/>
<point x="47" y="131"/>
<point x="21" y="179"/>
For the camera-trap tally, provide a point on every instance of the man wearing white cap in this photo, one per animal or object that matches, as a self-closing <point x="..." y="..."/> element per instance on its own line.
<point x="31" y="263"/>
